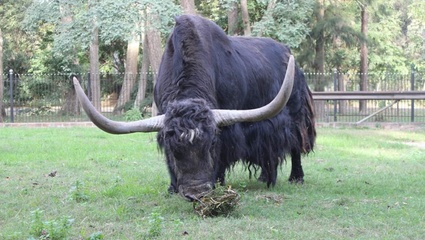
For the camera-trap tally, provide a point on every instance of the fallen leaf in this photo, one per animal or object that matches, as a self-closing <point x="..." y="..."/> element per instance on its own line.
<point x="52" y="174"/>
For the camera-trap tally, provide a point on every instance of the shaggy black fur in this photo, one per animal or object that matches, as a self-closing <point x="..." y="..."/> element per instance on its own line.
<point x="204" y="69"/>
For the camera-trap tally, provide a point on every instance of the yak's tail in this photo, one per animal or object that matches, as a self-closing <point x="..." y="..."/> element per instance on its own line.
<point x="307" y="127"/>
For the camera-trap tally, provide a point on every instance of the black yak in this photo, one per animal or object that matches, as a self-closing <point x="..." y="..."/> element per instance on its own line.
<point x="222" y="99"/>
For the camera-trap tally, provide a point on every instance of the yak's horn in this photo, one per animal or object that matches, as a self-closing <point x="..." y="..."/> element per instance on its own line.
<point x="152" y="124"/>
<point x="229" y="117"/>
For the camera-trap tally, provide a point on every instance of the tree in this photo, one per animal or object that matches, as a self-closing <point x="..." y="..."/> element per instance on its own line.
<point x="154" y="49"/>
<point x="128" y="20"/>
<point x="75" y="30"/>
<point x="1" y="77"/>
<point x="94" y="68"/>
<point x="333" y="35"/>
<point x="232" y="18"/>
<point x="267" y="18"/>
<point x="18" y="47"/>
<point x="91" y="28"/>
<point x="319" y="59"/>
<point x="129" y="15"/>
<point x="363" y="54"/>
<point x="188" y="6"/>
<point x="416" y="36"/>
<point x="143" y="82"/>
<point x="130" y="74"/>
<point x="65" y="29"/>
<point x="285" y="21"/>
<point x="245" y="18"/>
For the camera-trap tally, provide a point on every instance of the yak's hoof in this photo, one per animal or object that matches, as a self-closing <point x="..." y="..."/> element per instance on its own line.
<point x="263" y="178"/>
<point x="172" y="190"/>
<point x="295" y="180"/>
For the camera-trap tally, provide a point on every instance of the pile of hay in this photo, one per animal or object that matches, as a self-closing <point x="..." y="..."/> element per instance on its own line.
<point x="221" y="201"/>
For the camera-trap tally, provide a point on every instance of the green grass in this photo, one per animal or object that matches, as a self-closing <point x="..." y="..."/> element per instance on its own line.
<point x="359" y="183"/>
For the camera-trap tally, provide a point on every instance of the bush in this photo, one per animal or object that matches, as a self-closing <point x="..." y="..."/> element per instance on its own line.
<point x="133" y="114"/>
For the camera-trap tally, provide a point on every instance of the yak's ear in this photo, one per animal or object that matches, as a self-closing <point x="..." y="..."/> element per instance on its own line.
<point x="177" y="20"/>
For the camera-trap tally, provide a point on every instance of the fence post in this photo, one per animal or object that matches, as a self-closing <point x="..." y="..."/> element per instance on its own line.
<point x="335" y="89"/>
<point x="412" y="87"/>
<point x="11" y="79"/>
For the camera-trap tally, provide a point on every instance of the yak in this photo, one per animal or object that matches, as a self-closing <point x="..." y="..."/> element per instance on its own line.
<point x="223" y="99"/>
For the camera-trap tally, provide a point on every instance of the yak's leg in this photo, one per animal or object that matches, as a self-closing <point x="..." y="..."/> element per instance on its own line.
<point x="297" y="173"/>
<point x="173" y="185"/>
<point x="221" y="176"/>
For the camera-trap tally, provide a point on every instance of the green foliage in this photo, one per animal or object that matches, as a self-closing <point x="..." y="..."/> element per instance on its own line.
<point x="384" y="55"/>
<point x="215" y="10"/>
<point x="96" y="236"/>
<point x="74" y="21"/>
<point x="133" y="114"/>
<point x="146" y="105"/>
<point x="18" y="46"/>
<point x="78" y="192"/>
<point x="286" y="22"/>
<point x="54" y="36"/>
<point x="416" y="35"/>
<point x="340" y="35"/>
<point x="121" y="20"/>
<point x="155" y="222"/>
<point x="53" y="230"/>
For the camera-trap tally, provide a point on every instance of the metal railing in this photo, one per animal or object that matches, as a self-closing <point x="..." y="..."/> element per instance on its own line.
<point x="389" y="98"/>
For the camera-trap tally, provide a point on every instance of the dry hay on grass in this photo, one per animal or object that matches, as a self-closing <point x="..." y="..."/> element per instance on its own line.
<point x="219" y="202"/>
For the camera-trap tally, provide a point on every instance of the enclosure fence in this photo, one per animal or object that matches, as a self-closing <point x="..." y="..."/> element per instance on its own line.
<point x="51" y="97"/>
<point x="402" y="110"/>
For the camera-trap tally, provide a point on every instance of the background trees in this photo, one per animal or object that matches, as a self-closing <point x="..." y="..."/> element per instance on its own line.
<point x="82" y="27"/>
<point x="77" y="36"/>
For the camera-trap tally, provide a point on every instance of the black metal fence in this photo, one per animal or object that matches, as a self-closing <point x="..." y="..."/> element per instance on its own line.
<point x="51" y="97"/>
<point x="351" y="110"/>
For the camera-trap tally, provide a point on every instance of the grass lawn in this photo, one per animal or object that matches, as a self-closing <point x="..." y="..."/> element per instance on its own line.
<point x="82" y="183"/>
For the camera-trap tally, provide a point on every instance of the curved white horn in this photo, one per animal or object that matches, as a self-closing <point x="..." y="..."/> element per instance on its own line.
<point x="152" y="124"/>
<point x="229" y="117"/>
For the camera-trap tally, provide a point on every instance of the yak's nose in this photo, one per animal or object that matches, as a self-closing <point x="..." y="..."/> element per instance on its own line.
<point x="194" y="193"/>
<point x="191" y="198"/>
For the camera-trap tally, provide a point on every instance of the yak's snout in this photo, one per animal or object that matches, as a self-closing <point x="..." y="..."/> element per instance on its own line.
<point x="194" y="193"/>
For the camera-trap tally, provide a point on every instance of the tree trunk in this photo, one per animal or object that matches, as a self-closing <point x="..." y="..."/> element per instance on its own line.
<point x="94" y="69"/>
<point x="155" y="54"/>
<point x="232" y="19"/>
<point x="130" y="73"/>
<point x="341" y="87"/>
<point x="71" y="105"/>
<point x="363" y="57"/>
<point x="245" y="18"/>
<point x="188" y="6"/>
<point x="1" y="77"/>
<point x="141" y="91"/>
<point x="319" y="61"/>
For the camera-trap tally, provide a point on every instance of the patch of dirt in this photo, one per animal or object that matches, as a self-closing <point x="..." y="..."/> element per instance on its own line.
<point x="416" y="144"/>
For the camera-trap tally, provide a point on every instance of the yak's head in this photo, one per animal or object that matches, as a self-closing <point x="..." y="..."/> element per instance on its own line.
<point x="189" y="139"/>
<point x="187" y="132"/>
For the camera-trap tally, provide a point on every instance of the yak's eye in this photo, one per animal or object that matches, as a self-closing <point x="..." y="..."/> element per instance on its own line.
<point x="178" y="154"/>
<point x="169" y="133"/>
